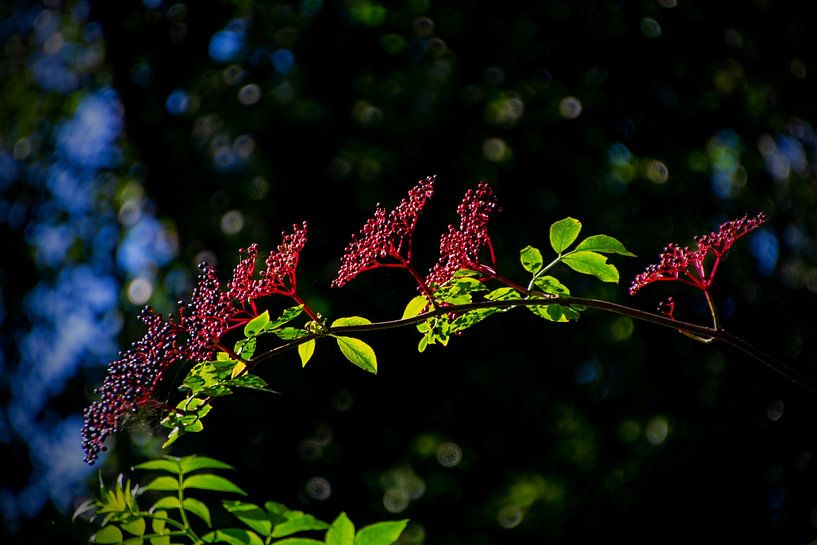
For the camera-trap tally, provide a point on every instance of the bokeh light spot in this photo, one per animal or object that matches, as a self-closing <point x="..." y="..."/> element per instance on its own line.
<point x="657" y="430"/>
<point x="510" y="516"/>
<point x="178" y="102"/>
<point x="249" y="94"/>
<point x="232" y="222"/>
<point x="570" y="107"/>
<point x="139" y="291"/>
<point x="496" y="150"/>
<point x="449" y="454"/>
<point x="650" y="27"/>
<point x="318" y="488"/>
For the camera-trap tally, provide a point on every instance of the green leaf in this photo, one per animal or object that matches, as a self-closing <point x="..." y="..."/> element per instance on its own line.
<point x="463" y="286"/>
<point x="381" y="533"/>
<point x="550" y="284"/>
<point x="253" y="382"/>
<point x="286" y="316"/>
<point x="415" y="307"/>
<point x="298" y="522"/>
<point x="163" y="483"/>
<point x="232" y="536"/>
<point x="198" y="508"/>
<point x="502" y="294"/>
<point x="135" y="527"/>
<point x="298" y="541"/>
<point x="168" y="502"/>
<point x="170" y="465"/>
<point x="305" y="351"/>
<point x="159" y="527"/>
<point x="531" y="259"/>
<point x="207" y="481"/>
<point x="358" y="352"/>
<point x="245" y="348"/>
<point x="466" y="272"/>
<point x="172" y="436"/>
<point x="289" y="333"/>
<point x="342" y="531"/>
<point x="593" y="264"/>
<point x="109" y="534"/>
<point x="464" y="321"/>
<point x="554" y="313"/>
<point x="134" y="541"/>
<point x="563" y="233"/>
<point x="604" y="244"/>
<point x="194" y="463"/>
<point x="256" y="325"/>
<point x="350" y="320"/>
<point x="251" y="515"/>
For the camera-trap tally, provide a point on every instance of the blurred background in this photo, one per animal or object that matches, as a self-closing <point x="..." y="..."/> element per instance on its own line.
<point x="139" y="138"/>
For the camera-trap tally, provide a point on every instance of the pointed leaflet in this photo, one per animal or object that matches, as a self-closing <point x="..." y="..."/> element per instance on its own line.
<point x="342" y="531"/>
<point x="163" y="483"/>
<point x="198" y="508"/>
<point x="298" y="522"/>
<point x="305" y="351"/>
<point x="358" y="352"/>
<point x="382" y="533"/>
<point x="257" y="324"/>
<point x="109" y="534"/>
<point x="593" y="264"/>
<point x="531" y="259"/>
<point x="563" y="233"/>
<point x="415" y="307"/>
<point x="286" y="316"/>
<point x="206" y="481"/>
<point x="251" y="515"/>
<point x="232" y="536"/>
<point x="604" y="244"/>
<point x="351" y="320"/>
<point x="171" y="465"/>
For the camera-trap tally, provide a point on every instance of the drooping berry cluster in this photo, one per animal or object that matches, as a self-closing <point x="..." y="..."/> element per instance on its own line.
<point x="460" y="247"/>
<point x="131" y="380"/>
<point x="697" y="267"/>
<point x="196" y="336"/>
<point x="385" y="235"/>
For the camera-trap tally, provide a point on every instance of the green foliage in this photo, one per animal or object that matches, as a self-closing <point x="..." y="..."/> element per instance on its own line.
<point x="563" y="233"/>
<point x="124" y="523"/>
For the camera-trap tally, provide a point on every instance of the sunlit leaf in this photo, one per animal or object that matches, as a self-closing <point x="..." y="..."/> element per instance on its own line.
<point x="531" y="259"/>
<point x="232" y="536"/>
<point x="135" y="526"/>
<point x="163" y="483"/>
<point x="198" y="508"/>
<point x="351" y="320"/>
<point x="502" y="294"/>
<point x="300" y="523"/>
<point x="257" y="324"/>
<point x="550" y="284"/>
<point x="251" y="515"/>
<point x="212" y="482"/>
<point x="593" y="264"/>
<point x="415" y="307"/>
<point x="289" y="333"/>
<point x="305" y="351"/>
<point x="604" y="244"/>
<point x="168" y="502"/>
<point x="194" y="463"/>
<point x="286" y="316"/>
<point x="563" y="233"/>
<point x="342" y="531"/>
<point x="358" y="352"/>
<point x="381" y="533"/>
<point x="109" y="534"/>
<point x="298" y="541"/>
<point x="168" y="464"/>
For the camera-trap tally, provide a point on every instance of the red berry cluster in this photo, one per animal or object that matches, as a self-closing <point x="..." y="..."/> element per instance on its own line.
<point x="697" y="267"/>
<point x="460" y="247"/>
<point x="385" y="236"/>
<point x="196" y="336"/>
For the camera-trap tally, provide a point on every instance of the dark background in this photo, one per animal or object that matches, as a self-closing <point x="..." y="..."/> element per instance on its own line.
<point x="194" y="129"/>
